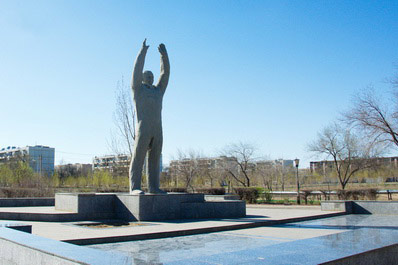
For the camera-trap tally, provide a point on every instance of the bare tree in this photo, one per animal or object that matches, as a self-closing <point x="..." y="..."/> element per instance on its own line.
<point x="349" y="153"/>
<point x="124" y="119"/>
<point x="186" y="167"/>
<point x="166" y="179"/>
<point x="242" y="156"/>
<point x="211" y="173"/>
<point x="272" y="172"/>
<point x="266" y="172"/>
<point x="378" y="117"/>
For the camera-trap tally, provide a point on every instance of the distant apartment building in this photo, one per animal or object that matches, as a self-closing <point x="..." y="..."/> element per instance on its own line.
<point x="220" y="168"/>
<point x="116" y="162"/>
<point x="109" y="162"/>
<point x="224" y="162"/>
<point x="285" y="162"/>
<point x="210" y="163"/>
<point x="277" y="162"/>
<point x="326" y="165"/>
<point x="73" y="170"/>
<point x="39" y="157"/>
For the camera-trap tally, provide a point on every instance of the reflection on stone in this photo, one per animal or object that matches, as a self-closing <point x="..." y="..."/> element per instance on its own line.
<point x="364" y="233"/>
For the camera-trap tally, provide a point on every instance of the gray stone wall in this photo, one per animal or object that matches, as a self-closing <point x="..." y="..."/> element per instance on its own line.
<point x="362" y="207"/>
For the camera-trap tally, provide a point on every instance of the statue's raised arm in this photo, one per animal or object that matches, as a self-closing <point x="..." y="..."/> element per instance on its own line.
<point x="139" y="67"/>
<point x="164" y="68"/>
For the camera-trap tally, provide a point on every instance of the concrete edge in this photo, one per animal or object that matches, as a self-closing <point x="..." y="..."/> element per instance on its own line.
<point x="195" y="231"/>
<point x="22" y="228"/>
<point x="41" y="249"/>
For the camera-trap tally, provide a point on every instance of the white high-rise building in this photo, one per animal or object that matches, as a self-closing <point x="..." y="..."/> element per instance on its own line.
<point x="39" y="157"/>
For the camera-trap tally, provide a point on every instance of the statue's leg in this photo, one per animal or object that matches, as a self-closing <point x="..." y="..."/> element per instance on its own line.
<point x="154" y="164"/>
<point x="137" y="161"/>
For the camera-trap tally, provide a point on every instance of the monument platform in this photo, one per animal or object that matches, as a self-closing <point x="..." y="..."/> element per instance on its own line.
<point x="260" y="217"/>
<point x="147" y="207"/>
<point x="344" y="239"/>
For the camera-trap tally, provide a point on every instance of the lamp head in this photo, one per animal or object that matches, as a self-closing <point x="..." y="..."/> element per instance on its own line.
<point x="296" y="162"/>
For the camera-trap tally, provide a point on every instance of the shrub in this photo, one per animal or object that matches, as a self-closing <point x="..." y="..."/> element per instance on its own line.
<point x="267" y="195"/>
<point x="343" y="194"/>
<point x="371" y="194"/>
<point x="174" y="189"/>
<point x="17" y="192"/>
<point x="212" y="191"/>
<point x="325" y="194"/>
<point x="250" y="195"/>
<point x="355" y="194"/>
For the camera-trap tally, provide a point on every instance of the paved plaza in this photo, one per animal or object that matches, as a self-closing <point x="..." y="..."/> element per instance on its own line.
<point x="257" y="215"/>
<point x="269" y="234"/>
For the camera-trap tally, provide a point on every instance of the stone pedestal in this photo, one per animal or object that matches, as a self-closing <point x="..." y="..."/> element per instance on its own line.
<point x="86" y="206"/>
<point x="148" y="207"/>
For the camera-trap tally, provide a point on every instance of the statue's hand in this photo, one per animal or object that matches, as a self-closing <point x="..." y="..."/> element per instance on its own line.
<point x="162" y="49"/>
<point x="144" y="46"/>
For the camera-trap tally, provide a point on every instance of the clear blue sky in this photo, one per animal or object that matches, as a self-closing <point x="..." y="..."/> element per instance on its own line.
<point x="272" y="73"/>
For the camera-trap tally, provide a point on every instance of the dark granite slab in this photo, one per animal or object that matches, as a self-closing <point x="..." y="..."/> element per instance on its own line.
<point x="367" y="232"/>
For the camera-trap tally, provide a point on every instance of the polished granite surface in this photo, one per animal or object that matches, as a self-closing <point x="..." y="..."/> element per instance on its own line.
<point x="180" y="248"/>
<point x="308" y="251"/>
<point x="353" y="221"/>
<point x="348" y="235"/>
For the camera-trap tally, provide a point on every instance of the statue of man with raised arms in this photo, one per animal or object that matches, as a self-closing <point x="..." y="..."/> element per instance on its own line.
<point x="148" y="105"/>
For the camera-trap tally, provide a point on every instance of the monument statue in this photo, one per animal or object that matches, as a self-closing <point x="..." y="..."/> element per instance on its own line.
<point x="148" y="105"/>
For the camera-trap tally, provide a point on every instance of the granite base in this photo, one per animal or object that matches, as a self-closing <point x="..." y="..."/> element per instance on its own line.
<point x="147" y="207"/>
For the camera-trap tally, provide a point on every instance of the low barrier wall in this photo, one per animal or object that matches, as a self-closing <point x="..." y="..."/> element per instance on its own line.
<point x="362" y="207"/>
<point x="344" y="206"/>
<point x="375" y="207"/>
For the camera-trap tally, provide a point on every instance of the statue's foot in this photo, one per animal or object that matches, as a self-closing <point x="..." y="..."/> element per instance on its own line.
<point x="137" y="192"/>
<point x="157" y="191"/>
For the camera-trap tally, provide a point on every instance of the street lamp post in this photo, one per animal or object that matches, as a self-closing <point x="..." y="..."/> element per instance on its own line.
<point x="296" y="162"/>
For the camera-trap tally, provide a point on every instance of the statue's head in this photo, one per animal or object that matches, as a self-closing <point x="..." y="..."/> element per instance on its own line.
<point x="147" y="78"/>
